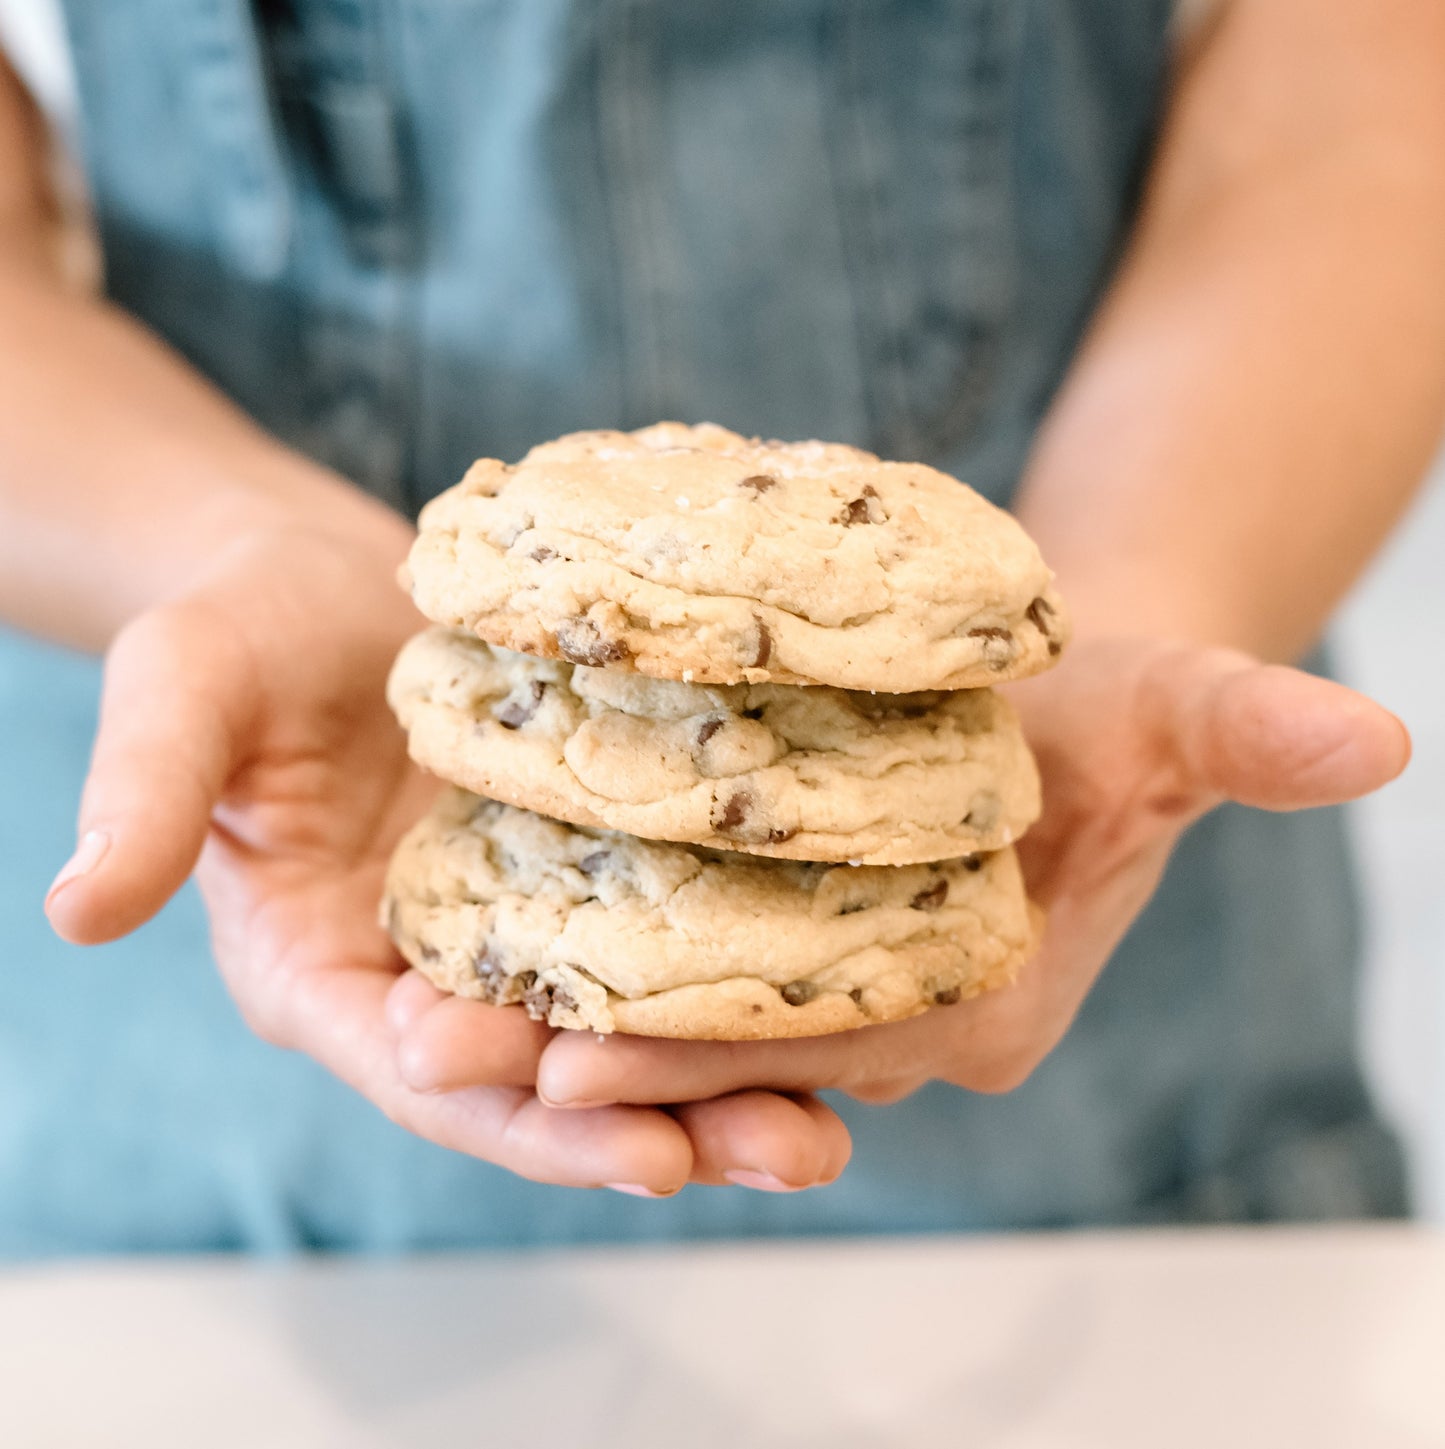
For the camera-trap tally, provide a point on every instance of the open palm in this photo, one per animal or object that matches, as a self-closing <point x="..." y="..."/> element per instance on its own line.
<point x="1134" y="739"/>
<point x="244" y="724"/>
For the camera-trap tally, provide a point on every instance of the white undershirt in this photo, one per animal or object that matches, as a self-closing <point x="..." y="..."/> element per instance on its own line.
<point x="32" y="35"/>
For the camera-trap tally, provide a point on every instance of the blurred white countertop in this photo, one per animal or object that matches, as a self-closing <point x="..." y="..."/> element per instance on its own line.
<point x="1161" y="1340"/>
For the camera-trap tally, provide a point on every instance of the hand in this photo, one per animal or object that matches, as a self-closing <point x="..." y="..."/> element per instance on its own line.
<point x="1134" y="740"/>
<point x="244" y="723"/>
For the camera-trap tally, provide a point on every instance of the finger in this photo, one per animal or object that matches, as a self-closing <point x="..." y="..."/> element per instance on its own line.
<point x="455" y="1043"/>
<point x="172" y="706"/>
<point x="338" y="1016"/>
<point x="1281" y="739"/>
<point x="576" y="1069"/>
<point x="765" y="1141"/>
<point x="409" y="999"/>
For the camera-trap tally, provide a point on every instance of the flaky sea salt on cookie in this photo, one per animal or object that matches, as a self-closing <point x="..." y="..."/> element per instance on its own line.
<point x="694" y="554"/>
<point x="769" y="769"/>
<point x="599" y="931"/>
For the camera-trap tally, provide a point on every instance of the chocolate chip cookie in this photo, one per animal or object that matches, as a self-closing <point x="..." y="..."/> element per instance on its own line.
<point x="594" y="930"/>
<point x="769" y="769"/>
<point x="694" y="554"/>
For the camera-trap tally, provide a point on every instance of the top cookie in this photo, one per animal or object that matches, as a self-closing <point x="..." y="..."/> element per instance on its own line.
<point x="692" y="553"/>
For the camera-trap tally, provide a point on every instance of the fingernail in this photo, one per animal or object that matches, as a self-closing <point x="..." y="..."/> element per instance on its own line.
<point x="88" y="854"/>
<point x="763" y="1181"/>
<point x="635" y="1189"/>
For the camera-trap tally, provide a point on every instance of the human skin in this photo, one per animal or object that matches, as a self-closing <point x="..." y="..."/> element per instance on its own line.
<point x="1257" y="397"/>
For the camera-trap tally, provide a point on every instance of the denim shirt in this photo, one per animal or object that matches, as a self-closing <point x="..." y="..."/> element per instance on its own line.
<point x="405" y="233"/>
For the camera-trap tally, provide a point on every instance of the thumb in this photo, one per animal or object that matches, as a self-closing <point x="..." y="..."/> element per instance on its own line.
<point x="171" y="712"/>
<point x="1277" y="738"/>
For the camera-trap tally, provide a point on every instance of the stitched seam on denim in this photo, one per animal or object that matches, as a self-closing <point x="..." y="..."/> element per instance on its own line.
<point x="406" y="272"/>
<point x="1001" y="33"/>
<point x="590" y="174"/>
<point x="646" y="263"/>
<point x="359" y="360"/>
<point x="252" y="201"/>
<point x="903" y="417"/>
<point x="862" y="259"/>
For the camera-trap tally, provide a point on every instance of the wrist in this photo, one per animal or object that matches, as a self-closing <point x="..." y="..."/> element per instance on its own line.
<point x="278" y="504"/>
<point x="313" y="503"/>
<point x="1126" y="574"/>
<point x="338" y="562"/>
<point x="79" y="580"/>
<point x="1172" y="601"/>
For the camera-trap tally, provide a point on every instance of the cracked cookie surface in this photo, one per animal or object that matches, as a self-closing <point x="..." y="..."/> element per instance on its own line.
<point x="769" y="769"/>
<point x="599" y="931"/>
<point x="692" y="553"/>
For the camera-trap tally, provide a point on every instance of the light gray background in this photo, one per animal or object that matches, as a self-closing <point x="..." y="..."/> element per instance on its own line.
<point x="1388" y="646"/>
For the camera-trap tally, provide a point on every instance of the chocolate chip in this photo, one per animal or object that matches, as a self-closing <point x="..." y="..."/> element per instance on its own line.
<point x="798" y="993"/>
<point x="589" y="865"/>
<point x="999" y="646"/>
<point x="539" y="997"/>
<point x="733" y="813"/>
<point x="492" y="974"/>
<point x="866" y="508"/>
<point x="517" y="709"/>
<point x="755" y="713"/>
<point x="758" y="482"/>
<point x="857" y="995"/>
<point x="930" y="898"/>
<point x="948" y="996"/>
<point x="708" y="728"/>
<point x="973" y="863"/>
<point x="764" y="650"/>
<point x="542" y="553"/>
<point x="1039" y="613"/>
<point x="536" y="997"/>
<point x="985" y="812"/>
<point x="735" y="817"/>
<point x="580" y="643"/>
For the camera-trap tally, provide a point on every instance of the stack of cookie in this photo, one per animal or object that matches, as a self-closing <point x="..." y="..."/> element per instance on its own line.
<point x="718" y="713"/>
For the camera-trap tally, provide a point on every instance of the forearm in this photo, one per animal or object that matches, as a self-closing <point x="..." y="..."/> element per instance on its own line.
<point x="123" y="473"/>
<point x="1265" y="383"/>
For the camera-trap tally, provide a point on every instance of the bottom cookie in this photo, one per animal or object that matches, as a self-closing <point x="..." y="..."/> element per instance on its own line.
<point x="598" y="931"/>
